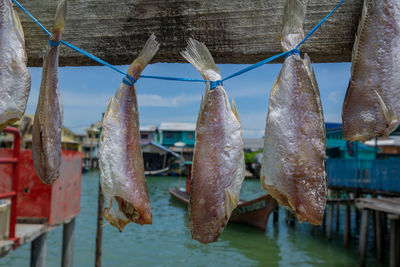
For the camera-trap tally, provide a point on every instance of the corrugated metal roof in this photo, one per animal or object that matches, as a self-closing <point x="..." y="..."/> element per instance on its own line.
<point x="148" y="128"/>
<point x="177" y="126"/>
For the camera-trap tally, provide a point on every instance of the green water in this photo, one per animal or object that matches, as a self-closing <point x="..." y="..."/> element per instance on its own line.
<point x="168" y="243"/>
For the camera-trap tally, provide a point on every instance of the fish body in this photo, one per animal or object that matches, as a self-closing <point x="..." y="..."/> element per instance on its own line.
<point x="293" y="167"/>
<point x="15" y="79"/>
<point x="47" y="123"/>
<point x="218" y="162"/>
<point x="120" y="156"/>
<point x="371" y="106"/>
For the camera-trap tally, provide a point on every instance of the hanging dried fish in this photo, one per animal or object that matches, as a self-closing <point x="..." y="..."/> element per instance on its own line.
<point x="121" y="160"/>
<point x="15" y="79"/>
<point x="293" y="168"/>
<point x="47" y="124"/>
<point x="372" y="104"/>
<point x="218" y="163"/>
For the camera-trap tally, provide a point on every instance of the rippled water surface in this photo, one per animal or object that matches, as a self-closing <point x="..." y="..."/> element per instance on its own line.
<point x="168" y="243"/>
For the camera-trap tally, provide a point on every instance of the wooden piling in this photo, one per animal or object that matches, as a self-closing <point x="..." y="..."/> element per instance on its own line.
<point x="379" y="237"/>
<point x="68" y="244"/>
<point x="38" y="251"/>
<point x="347" y="226"/>
<point x="394" y="240"/>
<point x="337" y="218"/>
<point x="330" y="222"/>
<point x="276" y="215"/>
<point x="363" y="241"/>
<point x="99" y="233"/>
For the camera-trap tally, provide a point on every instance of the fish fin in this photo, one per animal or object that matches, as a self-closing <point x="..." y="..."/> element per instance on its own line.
<point x="61" y="17"/>
<point x="149" y="50"/>
<point x="145" y="56"/>
<point x="391" y="118"/>
<point x="234" y="110"/>
<point x="17" y="23"/>
<point x="198" y="55"/>
<point x="116" y="219"/>
<point x="231" y="202"/>
<point x="362" y="25"/>
<point x="293" y="18"/>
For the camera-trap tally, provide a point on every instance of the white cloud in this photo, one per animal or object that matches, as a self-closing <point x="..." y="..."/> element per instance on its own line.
<point x="335" y="97"/>
<point x="153" y="100"/>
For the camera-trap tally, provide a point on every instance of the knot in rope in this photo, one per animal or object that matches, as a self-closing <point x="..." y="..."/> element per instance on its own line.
<point x="214" y="84"/>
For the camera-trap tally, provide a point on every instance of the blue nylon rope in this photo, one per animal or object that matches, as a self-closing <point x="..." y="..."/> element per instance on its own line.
<point x="130" y="81"/>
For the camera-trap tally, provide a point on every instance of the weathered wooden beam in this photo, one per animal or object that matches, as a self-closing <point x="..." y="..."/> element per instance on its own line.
<point x="235" y="31"/>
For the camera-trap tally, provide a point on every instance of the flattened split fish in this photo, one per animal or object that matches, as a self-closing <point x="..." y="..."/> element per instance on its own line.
<point x="218" y="163"/>
<point x="371" y="107"/>
<point x="121" y="160"/>
<point x="15" y="79"/>
<point x="47" y="124"/>
<point x="293" y="168"/>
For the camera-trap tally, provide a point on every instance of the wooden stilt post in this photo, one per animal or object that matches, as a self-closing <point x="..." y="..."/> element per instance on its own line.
<point x="330" y="222"/>
<point x="68" y="244"/>
<point x="38" y="251"/>
<point x="346" y="226"/>
<point x="337" y="218"/>
<point x="99" y="233"/>
<point x="276" y="215"/>
<point x="379" y="236"/>
<point x="394" y="240"/>
<point x="363" y="241"/>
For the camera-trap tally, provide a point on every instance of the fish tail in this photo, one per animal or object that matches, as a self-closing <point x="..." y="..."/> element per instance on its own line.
<point x="61" y="17"/>
<point x="293" y="18"/>
<point x="198" y="55"/>
<point x="145" y="56"/>
<point x="391" y="118"/>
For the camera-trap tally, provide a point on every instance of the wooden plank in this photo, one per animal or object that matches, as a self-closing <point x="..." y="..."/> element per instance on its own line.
<point x="235" y="31"/>
<point x="26" y="233"/>
<point x="363" y="241"/>
<point x="388" y="205"/>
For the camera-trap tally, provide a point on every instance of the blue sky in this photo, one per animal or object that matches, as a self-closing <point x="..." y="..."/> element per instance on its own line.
<point x="85" y="92"/>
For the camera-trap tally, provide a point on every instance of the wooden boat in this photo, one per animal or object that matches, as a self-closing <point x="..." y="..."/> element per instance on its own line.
<point x="254" y="212"/>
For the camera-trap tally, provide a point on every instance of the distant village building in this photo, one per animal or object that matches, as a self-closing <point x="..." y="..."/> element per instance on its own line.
<point x="90" y="146"/>
<point x="386" y="147"/>
<point x="25" y="126"/>
<point x="337" y="147"/>
<point x="148" y="134"/>
<point x="178" y="137"/>
<point x="253" y="144"/>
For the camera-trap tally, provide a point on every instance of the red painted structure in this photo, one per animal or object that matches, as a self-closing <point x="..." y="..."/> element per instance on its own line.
<point x="36" y="201"/>
<point x="12" y="191"/>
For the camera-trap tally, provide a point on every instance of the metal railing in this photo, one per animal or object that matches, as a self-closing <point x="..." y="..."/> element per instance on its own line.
<point x="14" y="186"/>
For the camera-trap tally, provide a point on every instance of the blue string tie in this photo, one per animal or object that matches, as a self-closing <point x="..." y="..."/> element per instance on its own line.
<point x="214" y="84"/>
<point x="54" y="44"/>
<point x="128" y="80"/>
<point x="292" y="52"/>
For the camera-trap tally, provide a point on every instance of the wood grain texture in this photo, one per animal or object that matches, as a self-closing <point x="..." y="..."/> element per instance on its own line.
<point x="235" y="31"/>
